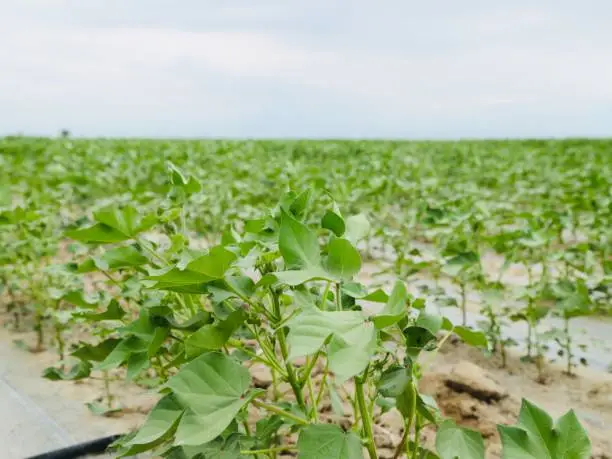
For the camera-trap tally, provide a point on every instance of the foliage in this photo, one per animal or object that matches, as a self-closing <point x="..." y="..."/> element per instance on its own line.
<point x="195" y="277"/>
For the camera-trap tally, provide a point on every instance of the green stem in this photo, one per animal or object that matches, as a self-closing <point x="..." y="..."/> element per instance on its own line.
<point x="40" y="340"/>
<point x="190" y="304"/>
<point x="282" y="341"/>
<point x="323" y="384"/>
<point x="270" y="450"/>
<point x="432" y="355"/>
<point x="410" y="420"/>
<point x="310" y="363"/>
<point x="366" y="420"/>
<point x="109" y="396"/>
<point x="145" y="245"/>
<point x="401" y="445"/>
<point x="110" y="278"/>
<point x="338" y="297"/>
<point x="162" y="371"/>
<point x="463" y="305"/>
<point x="314" y="415"/>
<point x="280" y="412"/>
<point x="417" y="437"/>
<point x="60" y="345"/>
<point x="324" y="297"/>
<point x="568" y="345"/>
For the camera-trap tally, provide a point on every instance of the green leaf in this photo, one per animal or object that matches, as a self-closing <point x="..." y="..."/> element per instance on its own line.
<point x="352" y="339"/>
<point x="96" y="353"/>
<point x="97" y="233"/>
<point x="333" y="221"/>
<point x="136" y="363"/>
<point x="359" y="291"/>
<point x="406" y="401"/>
<point x="214" y="336"/>
<point x="393" y="381"/>
<point x="296" y="277"/>
<point x="266" y="429"/>
<point x="571" y="440"/>
<point x="200" y="271"/>
<point x="343" y="260"/>
<point x="80" y="370"/>
<point x="298" y="244"/>
<point x="219" y="448"/>
<point x="397" y="383"/>
<point x="192" y="324"/>
<point x="350" y="353"/>
<point x="214" y="388"/>
<point x="179" y="179"/>
<point x="113" y="312"/>
<point x="114" y="225"/>
<point x="78" y="298"/>
<point x="471" y="337"/>
<point x="326" y="441"/>
<point x="454" y="442"/>
<point x="126" y="220"/>
<point x="534" y="436"/>
<point x="122" y="352"/>
<point x="101" y="409"/>
<point x="300" y="203"/>
<point x="160" y="423"/>
<point x="395" y="309"/>
<point x="116" y="258"/>
<point x="464" y="259"/>
<point x="357" y="228"/>
<point x="159" y="336"/>
<point x="431" y="322"/>
<point x="416" y="340"/>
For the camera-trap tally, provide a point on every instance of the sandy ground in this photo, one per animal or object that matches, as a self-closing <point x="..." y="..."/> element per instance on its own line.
<point x="60" y="416"/>
<point x="589" y="393"/>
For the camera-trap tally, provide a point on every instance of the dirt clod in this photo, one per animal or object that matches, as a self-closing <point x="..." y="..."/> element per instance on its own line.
<point x="473" y="380"/>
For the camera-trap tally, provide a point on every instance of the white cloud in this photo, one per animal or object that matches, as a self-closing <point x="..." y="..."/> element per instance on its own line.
<point x="102" y="68"/>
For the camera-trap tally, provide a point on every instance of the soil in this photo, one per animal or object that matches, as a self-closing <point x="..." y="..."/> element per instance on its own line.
<point x="589" y="393"/>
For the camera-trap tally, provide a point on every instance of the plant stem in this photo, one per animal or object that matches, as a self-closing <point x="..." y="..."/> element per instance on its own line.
<point x="400" y="446"/>
<point x="324" y="297"/>
<point x="417" y="436"/>
<point x="323" y="385"/>
<point x="109" y="396"/>
<point x="338" y="297"/>
<point x="409" y="421"/>
<point x="145" y="245"/>
<point x="568" y="344"/>
<point x="40" y="340"/>
<point x="309" y="366"/>
<point x="270" y="450"/>
<point x="280" y="412"/>
<point x="314" y="415"/>
<point x="60" y="345"/>
<point x="291" y="376"/>
<point x="463" y="305"/>
<point x="162" y="371"/>
<point x="366" y="420"/>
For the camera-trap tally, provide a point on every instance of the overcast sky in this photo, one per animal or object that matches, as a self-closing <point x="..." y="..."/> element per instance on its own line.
<point x="295" y="68"/>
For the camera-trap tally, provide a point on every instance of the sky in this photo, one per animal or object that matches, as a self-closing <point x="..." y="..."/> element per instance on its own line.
<point x="318" y="68"/>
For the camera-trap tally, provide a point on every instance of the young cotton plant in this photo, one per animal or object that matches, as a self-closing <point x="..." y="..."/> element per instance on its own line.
<point x="274" y="294"/>
<point x="278" y="298"/>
